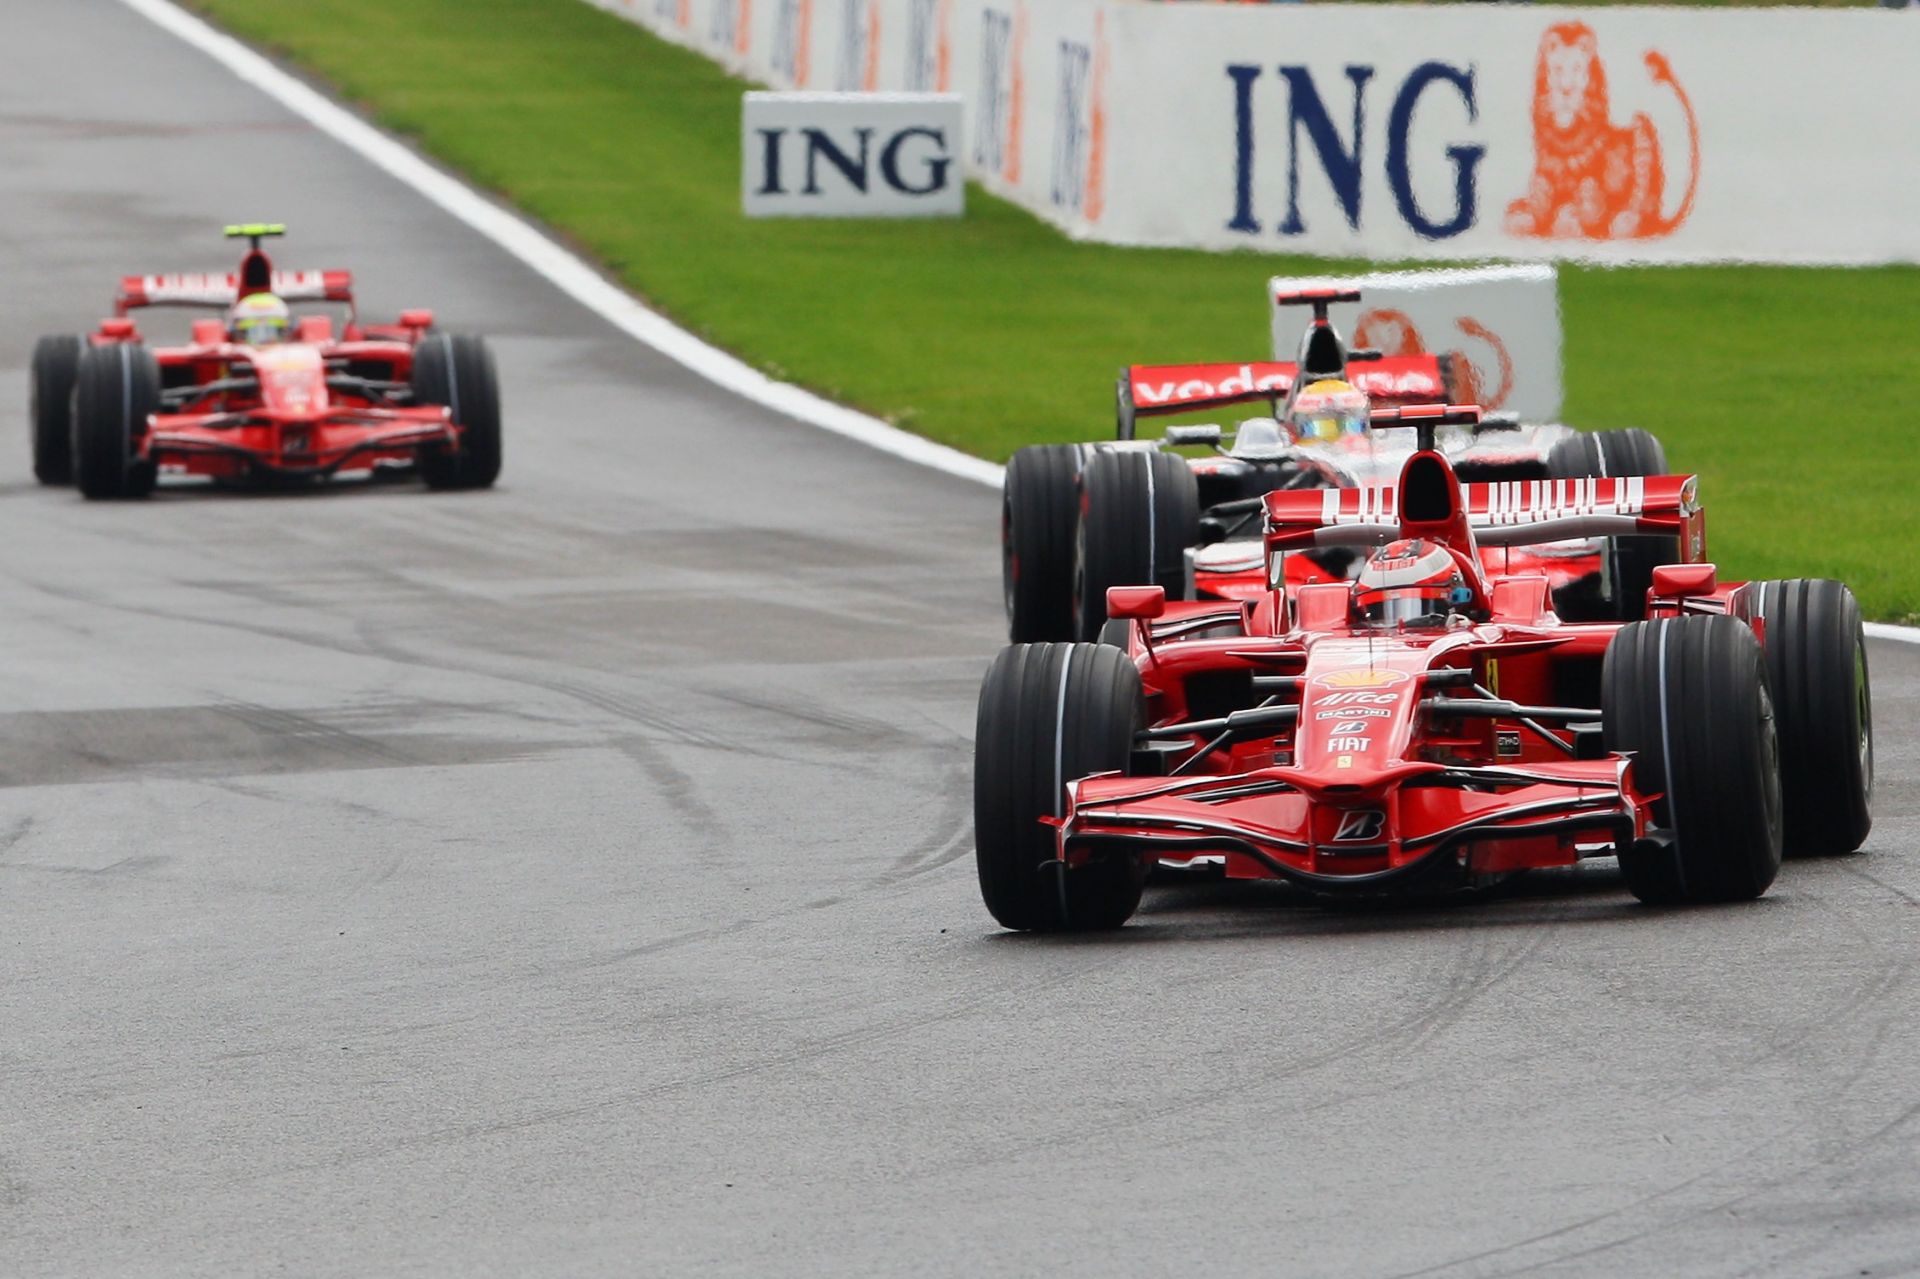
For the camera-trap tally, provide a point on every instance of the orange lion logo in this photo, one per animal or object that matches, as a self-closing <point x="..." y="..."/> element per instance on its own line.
<point x="1592" y="180"/>
<point x="1393" y="332"/>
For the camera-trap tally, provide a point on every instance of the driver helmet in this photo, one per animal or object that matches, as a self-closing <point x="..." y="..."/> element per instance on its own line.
<point x="259" y="319"/>
<point x="1411" y="582"/>
<point x="1327" y="412"/>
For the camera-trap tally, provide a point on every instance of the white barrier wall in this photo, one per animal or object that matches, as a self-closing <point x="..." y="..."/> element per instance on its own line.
<point x="1469" y="131"/>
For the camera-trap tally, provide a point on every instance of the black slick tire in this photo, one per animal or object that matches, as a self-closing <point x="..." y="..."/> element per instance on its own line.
<point x="1051" y="714"/>
<point x="1139" y="512"/>
<point x="1039" y="514"/>
<point x="116" y="388"/>
<point x="457" y="370"/>
<point x="56" y="367"/>
<point x="1688" y="696"/>
<point x="1816" y="654"/>
<point x="1632" y="559"/>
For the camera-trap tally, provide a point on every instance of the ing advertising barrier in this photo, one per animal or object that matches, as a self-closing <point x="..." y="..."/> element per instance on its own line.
<point x="864" y="155"/>
<point x="1383" y="131"/>
<point x="1499" y="325"/>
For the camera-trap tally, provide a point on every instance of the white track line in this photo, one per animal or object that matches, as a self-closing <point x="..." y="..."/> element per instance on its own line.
<point x="565" y="271"/>
<point x="581" y="282"/>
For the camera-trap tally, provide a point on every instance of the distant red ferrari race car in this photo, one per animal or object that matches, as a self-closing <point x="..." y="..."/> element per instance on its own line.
<point x="261" y="394"/>
<point x="1433" y="722"/>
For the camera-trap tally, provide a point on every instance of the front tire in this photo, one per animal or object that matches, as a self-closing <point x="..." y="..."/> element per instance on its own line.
<point x="117" y="387"/>
<point x="1816" y="654"/>
<point x="1051" y="714"/>
<point x="457" y="370"/>
<point x="1139" y="512"/>
<point x="1688" y="696"/>
<point x="1630" y="559"/>
<point x="56" y="370"/>
<point x="1039" y="515"/>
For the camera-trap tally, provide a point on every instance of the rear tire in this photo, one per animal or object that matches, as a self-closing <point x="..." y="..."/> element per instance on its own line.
<point x="1688" y="696"/>
<point x="56" y="369"/>
<point x="1816" y="655"/>
<point x="1139" y="512"/>
<point x="1632" y="559"/>
<point x="117" y="387"/>
<point x="457" y="370"/>
<point x="1051" y="714"/>
<point x="1039" y="514"/>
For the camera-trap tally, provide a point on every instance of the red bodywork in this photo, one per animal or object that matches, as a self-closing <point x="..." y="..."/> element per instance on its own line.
<point x="309" y="407"/>
<point x="1373" y="759"/>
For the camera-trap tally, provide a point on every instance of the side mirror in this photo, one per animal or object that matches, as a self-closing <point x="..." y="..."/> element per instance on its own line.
<point x="1672" y="581"/>
<point x="1179" y="436"/>
<point x="1136" y="603"/>
<point x="118" y="330"/>
<point x="420" y="319"/>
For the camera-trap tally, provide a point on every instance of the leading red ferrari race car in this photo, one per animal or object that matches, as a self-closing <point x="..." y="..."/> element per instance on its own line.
<point x="1434" y="722"/>
<point x="261" y="395"/>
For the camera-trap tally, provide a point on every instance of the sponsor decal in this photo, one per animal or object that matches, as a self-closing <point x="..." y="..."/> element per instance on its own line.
<point x="859" y="67"/>
<point x="1357" y="745"/>
<point x="1433" y="91"/>
<point x="1002" y="91"/>
<point x="1157" y="385"/>
<point x="1344" y="761"/>
<point x="1351" y="726"/>
<point x="1079" y="126"/>
<point x="1392" y="332"/>
<point x="929" y="49"/>
<point x="1360" y="824"/>
<point x="1506" y="743"/>
<point x="1592" y="179"/>
<point x="1358" y="678"/>
<point x="1346" y="712"/>
<point x="792" y="36"/>
<point x="1349" y="700"/>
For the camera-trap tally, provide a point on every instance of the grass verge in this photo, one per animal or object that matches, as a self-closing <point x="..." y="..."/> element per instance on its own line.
<point x="1785" y="388"/>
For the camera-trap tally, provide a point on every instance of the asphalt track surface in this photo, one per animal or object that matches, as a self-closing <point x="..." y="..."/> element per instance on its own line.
<point x="576" y="878"/>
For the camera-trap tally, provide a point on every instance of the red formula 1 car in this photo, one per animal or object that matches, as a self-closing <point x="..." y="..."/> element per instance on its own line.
<point x="1079" y="518"/>
<point x="1297" y="737"/>
<point x="297" y="401"/>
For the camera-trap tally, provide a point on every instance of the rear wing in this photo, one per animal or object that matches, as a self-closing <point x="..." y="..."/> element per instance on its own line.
<point x="1504" y="513"/>
<point x="223" y="290"/>
<point x="1155" y="390"/>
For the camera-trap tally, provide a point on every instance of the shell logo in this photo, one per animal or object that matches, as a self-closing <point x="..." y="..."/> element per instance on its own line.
<point x="1362" y="679"/>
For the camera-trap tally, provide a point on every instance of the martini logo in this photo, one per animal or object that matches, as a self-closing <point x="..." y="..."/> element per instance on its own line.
<point x="1593" y="179"/>
<point x="1361" y="679"/>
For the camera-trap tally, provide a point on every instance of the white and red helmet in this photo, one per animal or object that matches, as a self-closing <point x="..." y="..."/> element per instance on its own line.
<point x="1411" y="582"/>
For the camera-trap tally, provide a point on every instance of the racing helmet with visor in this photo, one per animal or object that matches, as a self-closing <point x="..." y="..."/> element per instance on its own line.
<point x="1410" y="583"/>
<point x="1327" y="412"/>
<point x="259" y="319"/>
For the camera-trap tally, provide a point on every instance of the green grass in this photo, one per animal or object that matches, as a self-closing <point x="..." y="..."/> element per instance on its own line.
<point x="1788" y="390"/>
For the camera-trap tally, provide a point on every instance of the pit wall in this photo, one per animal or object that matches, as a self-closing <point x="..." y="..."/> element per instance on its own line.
<point x="1379" y="131"/>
